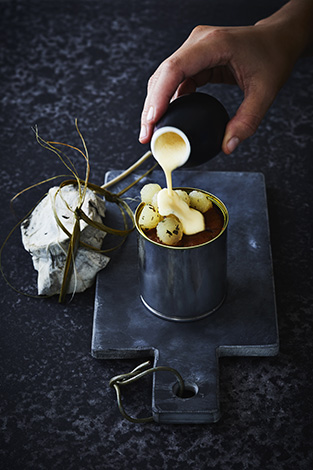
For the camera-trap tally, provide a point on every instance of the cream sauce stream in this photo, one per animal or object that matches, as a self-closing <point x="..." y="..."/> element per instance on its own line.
<point x="170" y="151"/>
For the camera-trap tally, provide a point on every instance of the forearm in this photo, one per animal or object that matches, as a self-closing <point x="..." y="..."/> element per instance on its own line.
<point x="293" y="23"/>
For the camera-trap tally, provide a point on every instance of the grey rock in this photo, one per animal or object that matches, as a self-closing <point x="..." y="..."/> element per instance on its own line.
<point x="48" y="243"/>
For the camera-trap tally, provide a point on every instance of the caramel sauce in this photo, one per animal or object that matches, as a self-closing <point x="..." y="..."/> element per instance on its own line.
<point x="214" y="221"/>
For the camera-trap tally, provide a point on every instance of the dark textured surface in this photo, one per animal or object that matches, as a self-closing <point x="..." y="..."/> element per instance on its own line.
<point x="245" y="325"/>
<point x="91" y="60"/>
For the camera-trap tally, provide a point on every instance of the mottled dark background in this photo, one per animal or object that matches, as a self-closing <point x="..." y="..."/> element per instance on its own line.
<point x="91" y="60"/>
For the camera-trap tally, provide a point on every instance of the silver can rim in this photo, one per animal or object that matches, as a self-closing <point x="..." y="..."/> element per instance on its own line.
<point x="218" y="202"/>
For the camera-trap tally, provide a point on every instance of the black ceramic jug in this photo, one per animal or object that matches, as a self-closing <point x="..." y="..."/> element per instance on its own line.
<point x="202" y="119"/>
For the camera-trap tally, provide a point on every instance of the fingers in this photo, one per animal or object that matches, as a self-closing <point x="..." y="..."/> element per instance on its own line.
<point x="187" y="86"/>
<point x="247" y="119"/>
<point x="218" y="55"/>
<point x="181" y="73"/>
<point x="161" y="87"/>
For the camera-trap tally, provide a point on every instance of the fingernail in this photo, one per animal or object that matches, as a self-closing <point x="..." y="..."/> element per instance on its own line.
<point x="150" y="113"/>
<point x="232" y="144"/>
<point x="143" y="132"/>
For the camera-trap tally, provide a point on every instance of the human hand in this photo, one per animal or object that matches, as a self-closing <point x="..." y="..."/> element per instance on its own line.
<point x="257" y="58"/>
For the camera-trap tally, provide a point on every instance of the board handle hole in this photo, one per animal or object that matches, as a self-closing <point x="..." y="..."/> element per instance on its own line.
<point x="190" y="390"/>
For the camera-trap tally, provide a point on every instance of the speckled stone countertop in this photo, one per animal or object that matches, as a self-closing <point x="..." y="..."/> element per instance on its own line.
<point x="91" y="60"/>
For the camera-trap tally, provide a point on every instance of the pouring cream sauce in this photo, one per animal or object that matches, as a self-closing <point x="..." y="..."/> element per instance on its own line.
<point x="171" y="149"/>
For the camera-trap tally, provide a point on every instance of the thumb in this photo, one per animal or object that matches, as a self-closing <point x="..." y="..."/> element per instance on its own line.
<point x="246" y="120"/>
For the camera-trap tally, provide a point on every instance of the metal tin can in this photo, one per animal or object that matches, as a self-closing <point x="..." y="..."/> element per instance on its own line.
<point x="183" y="283"/>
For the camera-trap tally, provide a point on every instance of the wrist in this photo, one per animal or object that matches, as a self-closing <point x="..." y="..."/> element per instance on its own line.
<point x="292" y="27"/>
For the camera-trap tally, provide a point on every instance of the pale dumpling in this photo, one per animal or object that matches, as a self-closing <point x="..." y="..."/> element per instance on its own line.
<point x="183" y="195"/>
<point x="170" y="230"/>
<point x="200" y="201"/>
<point x="149" y="217"/>
<point x="148" y="191"/>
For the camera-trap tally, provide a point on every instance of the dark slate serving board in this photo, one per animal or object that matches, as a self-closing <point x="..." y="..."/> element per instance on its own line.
<point x="245" y="325"/>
